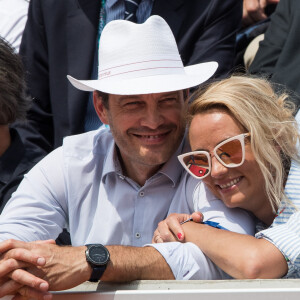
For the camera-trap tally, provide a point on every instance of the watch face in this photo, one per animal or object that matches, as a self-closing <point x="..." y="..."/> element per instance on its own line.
<point x="98" y="255"/>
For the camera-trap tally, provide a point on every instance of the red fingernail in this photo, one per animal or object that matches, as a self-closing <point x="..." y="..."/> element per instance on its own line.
<point x="179" y="235"/>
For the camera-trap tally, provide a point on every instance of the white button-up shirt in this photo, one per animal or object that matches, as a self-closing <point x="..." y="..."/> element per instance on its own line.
<point x="81" y="186"/>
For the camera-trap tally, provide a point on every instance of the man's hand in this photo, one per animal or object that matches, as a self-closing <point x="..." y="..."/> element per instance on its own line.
<point x="170" y="229"/>
<point x="254" y="10"/>
<point x="13" y="276"/>
<point x="64" y="267"/>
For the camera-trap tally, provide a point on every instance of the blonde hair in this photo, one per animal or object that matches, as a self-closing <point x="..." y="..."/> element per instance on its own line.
<point x="268" y="117"/>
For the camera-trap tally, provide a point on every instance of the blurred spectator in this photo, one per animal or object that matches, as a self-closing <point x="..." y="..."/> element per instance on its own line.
<point x="256" y="19"/>
<point x="256" y="10"/>
<point x="60" y="38"/>
<point x="279" y="53"/>
<point x="15" y="158"/>
<point x="13" y="16"/>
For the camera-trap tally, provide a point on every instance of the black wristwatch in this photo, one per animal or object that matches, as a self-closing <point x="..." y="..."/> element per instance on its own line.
<point x="98" y="257"/>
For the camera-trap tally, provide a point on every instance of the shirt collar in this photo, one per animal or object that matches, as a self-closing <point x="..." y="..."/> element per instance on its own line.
<point x="111" y="163"/>
<point x="110" y="3"/>
<point x="172" y="168"/>
<point x="294" y="172"/>
<point x="292" y="181"/>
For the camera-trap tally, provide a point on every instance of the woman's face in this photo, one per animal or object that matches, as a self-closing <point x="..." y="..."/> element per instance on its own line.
<point x="241" y="186"/>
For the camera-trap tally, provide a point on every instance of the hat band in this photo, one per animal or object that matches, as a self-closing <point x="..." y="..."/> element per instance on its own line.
<point x="145" y="68"/>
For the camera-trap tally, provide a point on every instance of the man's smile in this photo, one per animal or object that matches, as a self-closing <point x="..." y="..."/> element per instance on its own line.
<point x="152" y="138"/>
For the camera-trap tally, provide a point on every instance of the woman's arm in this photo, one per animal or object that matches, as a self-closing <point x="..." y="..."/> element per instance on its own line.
<point x="239" y="255"/>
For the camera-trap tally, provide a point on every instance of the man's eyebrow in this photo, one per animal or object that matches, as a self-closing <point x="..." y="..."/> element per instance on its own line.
<point x="125" y="97"/>
<point x="175" y="93"/>
<point x="128" y="97"/>
<point x="138" y="97"/>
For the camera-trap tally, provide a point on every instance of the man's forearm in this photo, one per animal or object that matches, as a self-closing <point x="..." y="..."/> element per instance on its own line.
<point x="134" y="263"/>
<point x="67" y="267"/>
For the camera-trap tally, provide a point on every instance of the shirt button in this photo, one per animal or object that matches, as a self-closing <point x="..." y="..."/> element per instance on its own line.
<point x="137" y="235"/>
<point x="142" y="194"/>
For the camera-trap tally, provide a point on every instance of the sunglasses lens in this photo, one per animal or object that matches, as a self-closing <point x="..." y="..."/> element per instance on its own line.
<point x="197" y="164"/>
<point x="231" y="153"/>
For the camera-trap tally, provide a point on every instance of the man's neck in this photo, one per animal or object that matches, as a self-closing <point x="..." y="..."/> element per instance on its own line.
<point x="137" y="172"/>
<point x="5" y="138"/>
<point x="141" y="173"/>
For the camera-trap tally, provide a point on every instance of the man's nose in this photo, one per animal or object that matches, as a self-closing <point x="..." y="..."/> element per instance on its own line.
<point x="217" y="169"/>
<point x="152" y="118"/>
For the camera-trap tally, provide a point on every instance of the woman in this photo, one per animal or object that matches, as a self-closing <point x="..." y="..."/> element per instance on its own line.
<point x="244" y="138"/>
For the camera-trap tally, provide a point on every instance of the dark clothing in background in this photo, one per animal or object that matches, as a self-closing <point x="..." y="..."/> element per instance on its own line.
<point x="14" y="163"/>
<point x="60" y="39"/>
<point x="278" y="56"/>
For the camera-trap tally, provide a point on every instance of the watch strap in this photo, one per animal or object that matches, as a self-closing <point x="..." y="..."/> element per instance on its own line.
<point x="97" y="273"/>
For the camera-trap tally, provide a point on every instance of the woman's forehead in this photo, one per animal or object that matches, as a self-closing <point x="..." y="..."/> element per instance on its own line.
<point x="209" y="128"/>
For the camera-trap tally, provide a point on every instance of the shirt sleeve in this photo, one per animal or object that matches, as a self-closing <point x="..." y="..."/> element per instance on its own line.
<point x="188" y="262"/>
<point x="286" y="237"/>
<point x="38" y="209"/>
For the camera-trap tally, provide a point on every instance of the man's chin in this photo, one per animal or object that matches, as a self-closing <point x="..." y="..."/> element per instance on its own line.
<point x="154" y="159"/>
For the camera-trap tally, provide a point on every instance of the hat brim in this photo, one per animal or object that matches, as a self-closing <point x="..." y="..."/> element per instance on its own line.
<point x="192" y="76"/>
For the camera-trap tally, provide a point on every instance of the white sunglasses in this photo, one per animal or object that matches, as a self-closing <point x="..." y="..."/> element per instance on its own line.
<point x="230" y="153"/>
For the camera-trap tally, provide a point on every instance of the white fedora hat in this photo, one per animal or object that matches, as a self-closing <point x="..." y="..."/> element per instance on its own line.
<point x="142" y="59"/>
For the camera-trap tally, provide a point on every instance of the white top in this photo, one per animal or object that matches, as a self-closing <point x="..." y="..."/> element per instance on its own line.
<point x="13" y="17"/>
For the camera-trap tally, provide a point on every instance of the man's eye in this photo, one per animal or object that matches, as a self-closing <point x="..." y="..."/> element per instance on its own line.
<point x="168" y="100"/>
<point x="128" y="104"/>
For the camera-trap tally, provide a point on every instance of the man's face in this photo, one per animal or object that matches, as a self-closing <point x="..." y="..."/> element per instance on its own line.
<point x="146" y="128"/>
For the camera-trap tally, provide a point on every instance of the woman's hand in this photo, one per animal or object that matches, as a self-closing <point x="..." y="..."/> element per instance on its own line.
<point x="171" y="229"/>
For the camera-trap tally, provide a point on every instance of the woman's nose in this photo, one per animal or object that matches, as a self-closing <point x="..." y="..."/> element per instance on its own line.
<point x="217" y="169"/>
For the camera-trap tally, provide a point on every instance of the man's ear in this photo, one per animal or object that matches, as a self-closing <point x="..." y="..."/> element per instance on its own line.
<point x="100" y="108"/>
<point x="186" y="94"/>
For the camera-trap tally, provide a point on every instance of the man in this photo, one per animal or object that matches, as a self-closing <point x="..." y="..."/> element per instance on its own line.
<point x="15" y="158"/>
<point x="61" y="38"/>
<point x="114" y="187"/>
<point x="256" y="19"/>
<point x="277" y="54"/>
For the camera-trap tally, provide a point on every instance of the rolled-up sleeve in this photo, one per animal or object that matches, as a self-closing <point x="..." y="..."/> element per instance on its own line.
<point x="188" y="262"/>
<point x="286" y="237"/>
